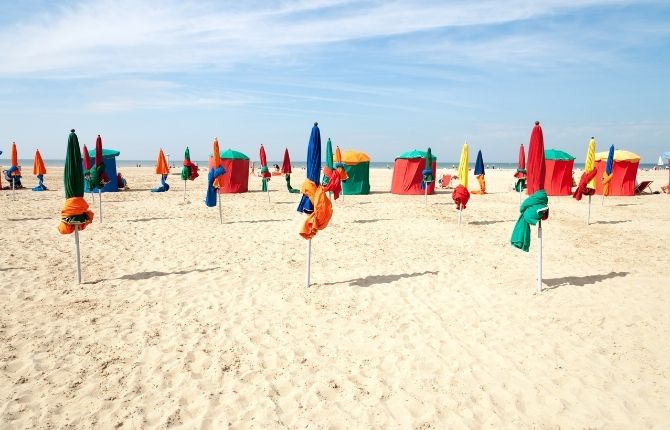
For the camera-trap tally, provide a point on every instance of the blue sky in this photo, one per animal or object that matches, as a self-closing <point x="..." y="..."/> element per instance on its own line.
<point x="380" y="76"/>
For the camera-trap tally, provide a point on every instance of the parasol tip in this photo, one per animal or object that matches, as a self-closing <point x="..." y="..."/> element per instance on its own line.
<point x="72" y="130"/>
<point x="592" y="137"/>
<point x="315" y="123"/>
<point x="537" y="122"/>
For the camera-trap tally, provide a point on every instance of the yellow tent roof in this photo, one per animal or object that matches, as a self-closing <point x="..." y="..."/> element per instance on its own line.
<point x="354" y="157"/>
<point x="619" y="155"/>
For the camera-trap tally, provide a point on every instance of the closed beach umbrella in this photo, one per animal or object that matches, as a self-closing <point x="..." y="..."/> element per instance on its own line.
<point x="534" y="209"/>
<point x="216" y="163"/>
<point x="189" y="171"/>
<point x="39" y="170"/>
<point x="265" y="172"/>
<point x="607" y="174"/>
<point x="428" y="176"/>
<point x="535" y="166"/>
<point x="331" y="178"/>
<point x="461" y="195"/>
<point x="286" y="163"/>
<point x="215" y="179"/>
<point x="75" y="214"/>
<point x="97" y="172"/>
<point x="313" y="166"/>
<point x="163" y="170"/>
<point x="88" y="164"/>
<point x="286" y="170"/>
<point x="479" y="173"/>
<point x="314" y="201"/>
<point x="520" y="174"/>
<point x="339" y="166"/>
<point x="14" y="170"/>
<point x="587" y="183"/>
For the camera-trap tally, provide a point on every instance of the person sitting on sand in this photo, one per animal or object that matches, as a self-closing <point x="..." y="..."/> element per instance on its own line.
<point x="121" y="182"/>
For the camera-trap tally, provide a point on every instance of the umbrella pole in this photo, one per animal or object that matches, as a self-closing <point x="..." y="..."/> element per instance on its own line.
<point x="100" y="202"/>
<point x="460" y="212"/>
<point x="76" y="246"/>
<point x="13" y="188"/>
<point x="184" y="190"/>
<point x="309" y="261"/>
<point x="588" y="216"/>
<point x="426" y="193"/>
<point x="220" y="213"/>
<point x="539" y="256"/>
<point x="268" y="190"/>
<point x="603" y="201"/>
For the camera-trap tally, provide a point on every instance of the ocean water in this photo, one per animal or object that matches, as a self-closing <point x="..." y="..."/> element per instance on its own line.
<point x="120" y="163"/>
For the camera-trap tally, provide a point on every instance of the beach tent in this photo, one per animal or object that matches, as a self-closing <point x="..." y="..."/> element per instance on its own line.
<point x="357" y="166"/>
<point x="624" y="172"/>
<point x="236" y="165"/>
<point x="407" y="173"/>
<point x="558" y="174"/>
<point x="109" y="156"/>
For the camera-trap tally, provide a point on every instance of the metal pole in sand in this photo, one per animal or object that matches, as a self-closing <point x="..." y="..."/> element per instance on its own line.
<point x="76" y="246"/>
<point x="539" y="256"/>
<point x="426" y="193"/>
<point x="220" y="213"/>
<point x="184" y="190"/>
<point x="100" y="202"/>
<point x="588" y="216"/>
<point x="460" y="212"/>
<point x="13" y="188"/>
<point x="309" y="261"/>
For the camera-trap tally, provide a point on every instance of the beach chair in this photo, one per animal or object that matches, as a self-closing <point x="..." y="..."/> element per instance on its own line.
<point x="445" y="182"/>
<point x="644" y="188"/>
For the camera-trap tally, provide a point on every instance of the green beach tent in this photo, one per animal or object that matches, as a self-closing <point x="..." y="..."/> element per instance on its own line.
<point x="357" y="166"/>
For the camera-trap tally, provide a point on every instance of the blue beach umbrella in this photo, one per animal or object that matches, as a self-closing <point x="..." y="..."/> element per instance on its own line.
<point x="313" y="166"/>
<point x="607" y="175"/>
<point x="479" y="164"/>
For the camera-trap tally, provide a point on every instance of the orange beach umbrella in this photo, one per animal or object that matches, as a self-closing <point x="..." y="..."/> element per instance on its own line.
<point x="38" y="164"/>
<point x="161" y="164"/>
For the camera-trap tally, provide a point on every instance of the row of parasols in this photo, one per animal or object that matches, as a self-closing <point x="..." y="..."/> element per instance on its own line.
<point x="315" y="201"/>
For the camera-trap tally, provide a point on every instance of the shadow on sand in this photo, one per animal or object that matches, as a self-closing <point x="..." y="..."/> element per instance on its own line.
<point x="153" y="274"/>
<point x="611" y="222"/>
<point x="366" y="221"/>
<point x="371" y="280"/>
<point x="257" y="221"/>
<point x="581" y="281"/>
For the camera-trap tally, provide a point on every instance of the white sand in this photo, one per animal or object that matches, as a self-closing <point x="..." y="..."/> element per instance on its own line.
<point x="411" y="321"/>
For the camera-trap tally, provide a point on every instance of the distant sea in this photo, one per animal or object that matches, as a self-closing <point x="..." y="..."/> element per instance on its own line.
<point x="296" y="164"/>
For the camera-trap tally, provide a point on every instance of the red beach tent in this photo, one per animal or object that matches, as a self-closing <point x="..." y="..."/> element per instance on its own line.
<point x="558" y="174"/>
<point x="236" y="178"/>
<point x="407" y="173"/>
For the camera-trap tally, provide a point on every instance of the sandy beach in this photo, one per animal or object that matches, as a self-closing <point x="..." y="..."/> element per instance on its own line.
<point x="411" y="322"/>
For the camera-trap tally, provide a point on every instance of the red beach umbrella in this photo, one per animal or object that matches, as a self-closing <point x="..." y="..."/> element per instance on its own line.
<point x="536" y="167"/>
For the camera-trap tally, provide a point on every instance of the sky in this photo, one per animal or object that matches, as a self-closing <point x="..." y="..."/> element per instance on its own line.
<point x="383" y="77"/>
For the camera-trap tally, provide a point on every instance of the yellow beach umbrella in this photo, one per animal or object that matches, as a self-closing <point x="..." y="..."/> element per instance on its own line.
<point x="590" y="163"/>
<point x="463" y="166"/>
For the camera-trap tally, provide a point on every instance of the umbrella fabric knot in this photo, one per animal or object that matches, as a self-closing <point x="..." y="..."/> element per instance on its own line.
<point x="212" y="176"/>
<point x="14" y="171"/>
<point x="323" y="209"/>
<point x="74" y="212"/>
<point x="40" y="184"/>
<point x="582" y="189"/>
<point x="606" y="183"/>
<point x="189" y="171"/>
<point x="482" y="185"/>
<point x="98" y="178"/>
<point x="164" y="186"/>
<point x="427" y="178"/>
<point x="341" y="172"/>
<point x="288" y="184"/>
<point x="520" y="173"/>
<point x="265" y="173"/>
<point x="333" y="183"/>
<point x="532" y="210"/>
<point x="461" y="195"/>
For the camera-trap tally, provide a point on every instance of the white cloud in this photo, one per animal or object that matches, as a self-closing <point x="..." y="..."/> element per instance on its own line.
<point x="111" y="37"/>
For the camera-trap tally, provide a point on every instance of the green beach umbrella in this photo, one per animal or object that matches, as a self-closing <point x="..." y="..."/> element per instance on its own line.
<point x="427" y="173"/>
<point x="75" y="214"/>
<point x="329" y="160"/>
